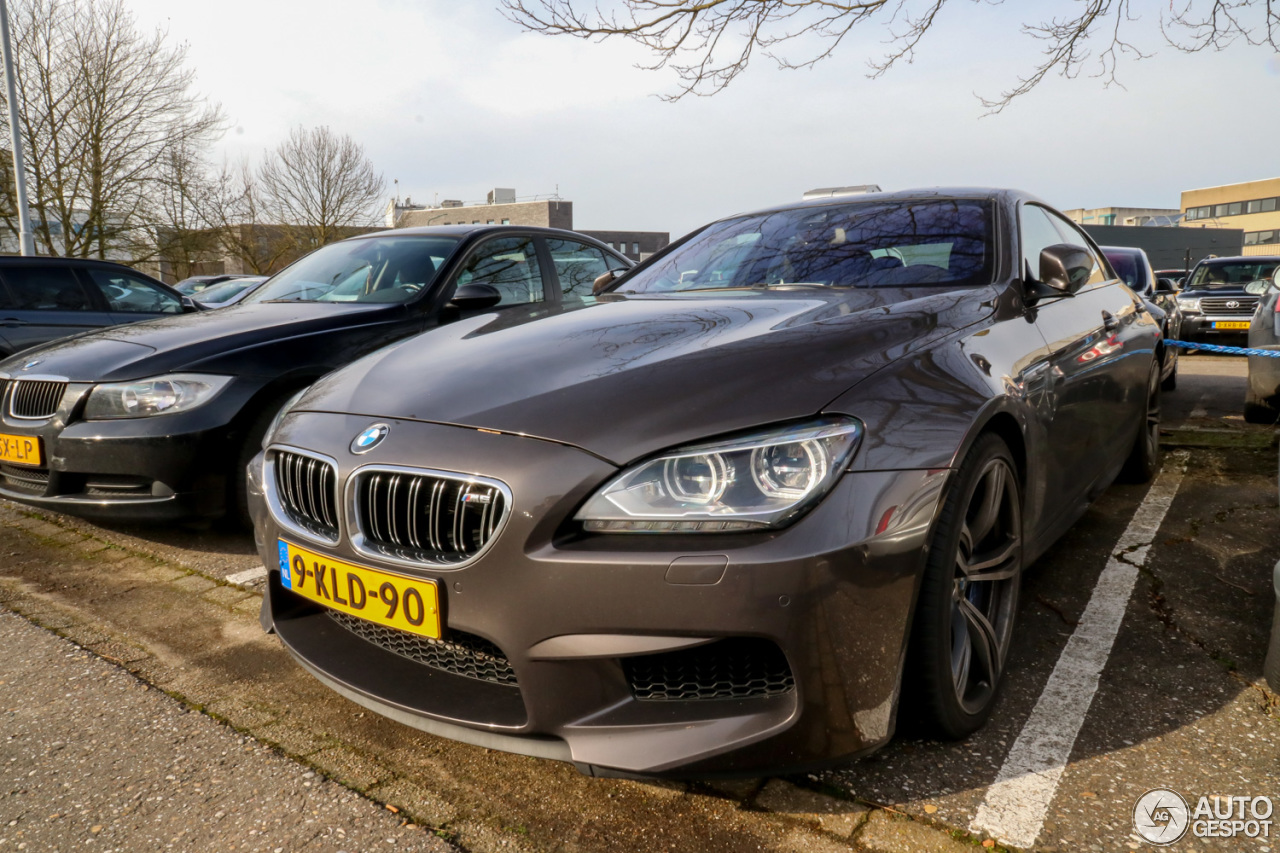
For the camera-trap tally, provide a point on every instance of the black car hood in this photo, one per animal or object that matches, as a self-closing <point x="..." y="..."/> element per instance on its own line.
<point x="634" y="375"/>
<point x="183" y="341"/>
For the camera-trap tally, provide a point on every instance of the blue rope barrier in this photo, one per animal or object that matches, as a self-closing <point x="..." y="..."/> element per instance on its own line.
<point x="1266" y="353"/>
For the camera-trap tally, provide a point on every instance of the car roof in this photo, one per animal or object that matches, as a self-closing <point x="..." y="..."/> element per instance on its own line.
<point x="1235" y="259"/>
<point x="917" y="194"/>
<point x="55" y="261"/>
<point x="461" y="230"/>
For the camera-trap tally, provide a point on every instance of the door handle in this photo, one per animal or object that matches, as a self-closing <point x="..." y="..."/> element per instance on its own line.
<point x="1109" y="321"/>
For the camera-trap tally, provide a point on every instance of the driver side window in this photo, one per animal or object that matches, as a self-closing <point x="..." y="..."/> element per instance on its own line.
<point x="509" y="264"/>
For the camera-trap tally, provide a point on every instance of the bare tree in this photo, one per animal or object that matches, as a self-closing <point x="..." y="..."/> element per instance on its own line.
<point x="319" y="186"/>
<point x="708" y="43"/>
<point x="102" y="107"/>
<point x="236" y="214"/>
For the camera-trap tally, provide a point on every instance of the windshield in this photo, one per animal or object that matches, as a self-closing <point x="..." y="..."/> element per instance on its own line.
<point x="1233" y="275"/>
<point x="377" y="269"/>
<point x="868" y="244"/>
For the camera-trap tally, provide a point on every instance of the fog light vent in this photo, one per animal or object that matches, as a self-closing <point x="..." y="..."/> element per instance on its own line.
<point x="736" y="668"/>
<point x="461" y="654"/>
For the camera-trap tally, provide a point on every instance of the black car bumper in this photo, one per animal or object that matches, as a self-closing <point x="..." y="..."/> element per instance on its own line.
<point x="639" y="654"/>
<point x="136" y="469"/>
<point x="1199" y="327"/>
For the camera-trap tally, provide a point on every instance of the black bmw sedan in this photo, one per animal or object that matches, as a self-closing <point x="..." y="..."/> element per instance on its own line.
<point x="777" y="486"/>
<point x="157" y="420"/>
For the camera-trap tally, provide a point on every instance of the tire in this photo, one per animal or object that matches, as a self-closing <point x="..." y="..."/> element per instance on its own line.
<point x="1259" y="411"/>
<point x="1271" y="668"/>
<point x="1170" y="382"/>
<point x="968" y="599"/>
<point x="238" y="514"/>
<point x="1144" y="457"/>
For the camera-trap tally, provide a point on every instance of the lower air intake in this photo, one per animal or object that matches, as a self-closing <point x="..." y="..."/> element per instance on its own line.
<point x="462" y="654"/>
<point x="736" y="668"/>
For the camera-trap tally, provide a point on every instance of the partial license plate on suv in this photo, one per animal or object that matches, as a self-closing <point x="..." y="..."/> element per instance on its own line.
<point x="1231" y="324"/>
<point x="20" y="449"/>
<point x="406" y="604"/>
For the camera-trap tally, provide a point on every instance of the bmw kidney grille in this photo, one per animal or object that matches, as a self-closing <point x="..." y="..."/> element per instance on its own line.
<point x="35" y="398"/>
<point x="305" y="488"/>
<point x="426" y="518"/>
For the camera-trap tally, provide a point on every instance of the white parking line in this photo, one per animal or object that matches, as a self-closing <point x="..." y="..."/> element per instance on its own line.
<point x="1017" y="802"/>
<point x="247" y="577"/>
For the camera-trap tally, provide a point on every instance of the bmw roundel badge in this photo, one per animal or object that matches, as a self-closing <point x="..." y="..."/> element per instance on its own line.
<point x="370" y="438"/>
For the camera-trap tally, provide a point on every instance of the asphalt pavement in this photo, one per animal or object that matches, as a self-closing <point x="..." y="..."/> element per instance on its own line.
<point x="161" y="671"/>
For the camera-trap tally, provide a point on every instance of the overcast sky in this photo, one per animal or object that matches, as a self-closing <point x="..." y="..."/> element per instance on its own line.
<point x="451" y="99"/>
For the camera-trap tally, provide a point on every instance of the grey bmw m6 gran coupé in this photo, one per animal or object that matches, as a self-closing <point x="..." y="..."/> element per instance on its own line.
<point x="774" y="487"/>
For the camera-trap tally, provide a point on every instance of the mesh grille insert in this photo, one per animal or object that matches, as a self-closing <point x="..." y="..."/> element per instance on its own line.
<point x="462" y="654"/>
<point x="736" y="668"/>
<point x="30" y="479"/>
<point x="35" y="398"/>
<point x="306" y="488"/>
<point x="426" y="517"/>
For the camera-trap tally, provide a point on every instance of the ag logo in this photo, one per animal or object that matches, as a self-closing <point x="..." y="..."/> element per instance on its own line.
<point x="1161" y="816"/>
<point x="370" y="438"/>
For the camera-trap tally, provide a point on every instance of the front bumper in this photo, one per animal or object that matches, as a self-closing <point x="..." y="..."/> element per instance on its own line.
<point x="135" y="469"/>
<point x="573" y="614"/>
<point x="1197" y="326"/>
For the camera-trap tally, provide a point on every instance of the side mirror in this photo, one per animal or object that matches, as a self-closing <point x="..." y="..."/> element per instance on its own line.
<point x="1166" y="285"/>
<point x="1065" y="268"/>
<point x="602" y="281"/>
<point x="475" y="297"/>
<point x="190" y="306"/>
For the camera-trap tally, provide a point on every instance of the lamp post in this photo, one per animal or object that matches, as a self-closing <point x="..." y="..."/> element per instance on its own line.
<point x="25" y="237"/>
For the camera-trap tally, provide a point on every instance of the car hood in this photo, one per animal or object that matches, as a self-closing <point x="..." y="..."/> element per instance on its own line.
<point x="633" y="375"/>
<point x="182" y="341"/>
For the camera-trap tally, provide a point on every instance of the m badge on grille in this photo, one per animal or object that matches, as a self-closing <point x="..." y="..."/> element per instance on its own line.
<point x="370" y="438"/>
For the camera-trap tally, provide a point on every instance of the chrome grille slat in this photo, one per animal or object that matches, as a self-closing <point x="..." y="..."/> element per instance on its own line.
<point x="35" y="398"/>
<point x="305" y="488"/>
<point x="415" y="496"/>
<point x="424" y="518"/>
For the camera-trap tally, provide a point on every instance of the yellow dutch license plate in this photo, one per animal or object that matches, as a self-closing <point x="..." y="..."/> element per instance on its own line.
<point x="20" y="449"/>
<point x="1232" y="324"/>
<point x="407" y="604"/>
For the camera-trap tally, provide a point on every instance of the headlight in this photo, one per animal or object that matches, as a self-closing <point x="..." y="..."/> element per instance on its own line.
<point x="163" y="395"/>
<point x="760" y="480"/>
<point x="270" y="435"/>
<point x="1188" y="303"/>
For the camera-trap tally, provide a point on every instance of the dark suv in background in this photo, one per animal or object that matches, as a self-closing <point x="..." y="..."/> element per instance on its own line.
<point x="1216" y="302"/>
<point x="43" y="299"/>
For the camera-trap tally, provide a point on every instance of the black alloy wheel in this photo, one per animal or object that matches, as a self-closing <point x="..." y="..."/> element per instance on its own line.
<point x="1144" y="458"/>
<point x="969" y="596"/>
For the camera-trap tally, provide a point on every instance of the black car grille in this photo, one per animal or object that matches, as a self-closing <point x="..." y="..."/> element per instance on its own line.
<point x="35" y="398"/>
<point x="462" y="654"/>
<point x="27" y="479"/>
<point x="1222" y="306"/>
<point x="306" y="488"/>
<point x="737" y="668"/>
<point x="425" y="517"/>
